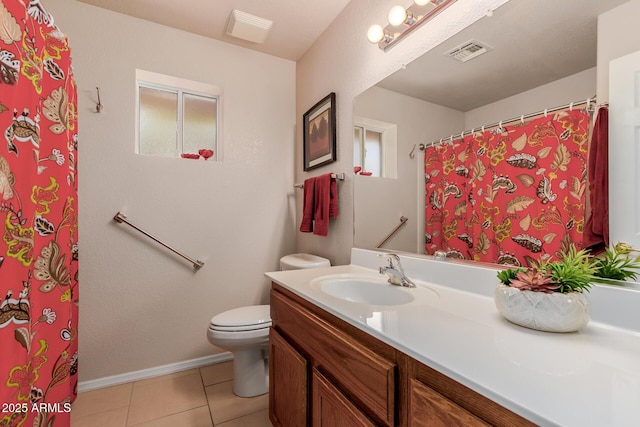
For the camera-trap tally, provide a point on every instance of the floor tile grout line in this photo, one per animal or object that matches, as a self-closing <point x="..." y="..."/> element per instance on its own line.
<point x="126" y="421"/>
<point x="204" y="390"/>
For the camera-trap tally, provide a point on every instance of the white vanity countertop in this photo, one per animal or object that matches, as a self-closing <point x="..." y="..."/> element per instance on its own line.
<point x="587" y="378"/>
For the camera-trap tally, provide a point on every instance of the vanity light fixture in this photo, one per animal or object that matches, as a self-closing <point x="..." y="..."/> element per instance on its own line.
<point x="404" y="20"/>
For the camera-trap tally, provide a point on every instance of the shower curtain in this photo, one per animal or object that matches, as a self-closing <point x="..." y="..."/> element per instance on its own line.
<point x="38" y="210"/>
<point x="509" y="195"/>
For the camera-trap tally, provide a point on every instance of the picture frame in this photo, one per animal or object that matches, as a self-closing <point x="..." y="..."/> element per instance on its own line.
<point x="319" y="133"/>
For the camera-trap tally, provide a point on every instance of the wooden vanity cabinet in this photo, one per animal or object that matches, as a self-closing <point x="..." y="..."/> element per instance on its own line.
<point x="327" y="372"/>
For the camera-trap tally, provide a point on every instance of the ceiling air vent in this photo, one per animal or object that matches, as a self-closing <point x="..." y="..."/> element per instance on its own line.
<point x="248" y="27"/>
<point x="467" y="51"/>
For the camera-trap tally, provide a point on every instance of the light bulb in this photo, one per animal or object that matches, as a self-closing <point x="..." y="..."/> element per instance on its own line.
<point x="375" y="33"/>
<point x="397" y="15"/>
<point x="422" y="2"/>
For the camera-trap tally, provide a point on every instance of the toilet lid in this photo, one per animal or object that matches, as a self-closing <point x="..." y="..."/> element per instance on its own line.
<point x="242" y="319"/>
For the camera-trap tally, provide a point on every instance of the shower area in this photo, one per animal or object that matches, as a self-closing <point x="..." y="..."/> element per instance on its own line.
<point x="39" y="208"/>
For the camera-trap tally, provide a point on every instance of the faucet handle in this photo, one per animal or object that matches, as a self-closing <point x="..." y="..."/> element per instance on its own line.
<point x="440" y="255"/>
<point x="392" y="257"/>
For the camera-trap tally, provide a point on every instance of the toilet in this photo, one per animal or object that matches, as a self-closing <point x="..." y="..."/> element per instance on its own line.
<point x="244" y="332"/>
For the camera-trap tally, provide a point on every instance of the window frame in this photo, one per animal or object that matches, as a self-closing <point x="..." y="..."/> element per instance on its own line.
<point x="362" y="146"/>
<point x="179" y="86"/>
<point x="389" y="143"/>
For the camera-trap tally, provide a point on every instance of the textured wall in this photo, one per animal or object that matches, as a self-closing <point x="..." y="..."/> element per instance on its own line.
<point x="141" y="306"/>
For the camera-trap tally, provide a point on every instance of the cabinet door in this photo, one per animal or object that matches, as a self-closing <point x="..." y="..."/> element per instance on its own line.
<point x="430" y="408"/>
<point x="288" y="384"/>
<point x="331" y="408"/>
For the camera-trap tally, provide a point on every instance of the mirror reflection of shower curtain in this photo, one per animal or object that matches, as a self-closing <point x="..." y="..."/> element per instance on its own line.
<point x="509" y="195"/>
<point x="38" y="210"/>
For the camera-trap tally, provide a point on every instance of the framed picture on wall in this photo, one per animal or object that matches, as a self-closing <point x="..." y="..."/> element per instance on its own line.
<point x="319" y="137"/>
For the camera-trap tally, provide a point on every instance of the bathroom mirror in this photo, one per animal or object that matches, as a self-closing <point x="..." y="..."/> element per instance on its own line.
<point x="534" y="55"/>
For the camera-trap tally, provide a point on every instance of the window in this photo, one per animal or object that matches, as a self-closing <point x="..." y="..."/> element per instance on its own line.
<point x="367" y="150"/>
<point x="177" y="117"/>
<point x="374" y="147"/>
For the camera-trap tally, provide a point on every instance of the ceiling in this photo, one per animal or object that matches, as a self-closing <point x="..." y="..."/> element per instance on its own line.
<point x="297" y="24"/>
<point x="533" y="42"/>
<point x="538" y="41"/>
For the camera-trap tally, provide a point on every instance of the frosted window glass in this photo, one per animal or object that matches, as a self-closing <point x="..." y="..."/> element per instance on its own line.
<point x="199" y="123"/>
<point x="373" y="152"/>
<point x="158" y="121"/>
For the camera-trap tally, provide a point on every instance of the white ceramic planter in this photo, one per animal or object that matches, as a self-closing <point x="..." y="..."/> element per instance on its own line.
<point x="554" y="312"/>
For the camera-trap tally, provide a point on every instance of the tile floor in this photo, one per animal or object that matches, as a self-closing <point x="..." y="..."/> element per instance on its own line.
<point x="194" y="398"/>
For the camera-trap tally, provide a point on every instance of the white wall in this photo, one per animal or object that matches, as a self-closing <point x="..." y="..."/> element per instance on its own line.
<point x="577" y="87"/>
<point x="141" y="306"/>
<point x="344" y="62"/>
<point x="379" y="202"/>
<point x="618" y="35"/>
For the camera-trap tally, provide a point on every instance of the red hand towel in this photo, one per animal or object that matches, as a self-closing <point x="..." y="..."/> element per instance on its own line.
<point x="596" y="229"/>
<point x="323" y="201"/>
<point x="308" y="205"/>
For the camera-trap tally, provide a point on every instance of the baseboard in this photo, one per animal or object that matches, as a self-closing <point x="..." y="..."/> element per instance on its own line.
<point x="152" y="372"/>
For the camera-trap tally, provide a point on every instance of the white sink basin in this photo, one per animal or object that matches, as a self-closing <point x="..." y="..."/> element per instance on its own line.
<point x="363" y="289"/>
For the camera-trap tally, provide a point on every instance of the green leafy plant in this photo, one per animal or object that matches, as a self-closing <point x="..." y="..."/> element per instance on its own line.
<point x="573" y="273"/>
<point x="615" y="264"/>
<point x="505" y="276"/>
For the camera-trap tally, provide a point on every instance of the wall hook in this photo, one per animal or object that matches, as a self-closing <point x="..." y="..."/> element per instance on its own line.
<point x="411" y="154"/>
<point x="99" y="104"/>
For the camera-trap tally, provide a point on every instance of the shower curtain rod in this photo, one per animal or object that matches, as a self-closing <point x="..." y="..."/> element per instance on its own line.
<point x="589" y="102"/>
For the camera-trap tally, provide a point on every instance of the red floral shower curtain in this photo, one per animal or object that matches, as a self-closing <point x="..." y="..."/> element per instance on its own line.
<point x="509" y="195"/>
<point x="38" y="210"/>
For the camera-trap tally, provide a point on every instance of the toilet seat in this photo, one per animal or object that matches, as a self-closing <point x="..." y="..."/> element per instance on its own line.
<point x="250" y="318"/>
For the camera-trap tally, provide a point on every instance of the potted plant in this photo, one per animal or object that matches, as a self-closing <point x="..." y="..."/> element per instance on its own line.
<point x="615" y="263"/>
<point x="549" y="296"/>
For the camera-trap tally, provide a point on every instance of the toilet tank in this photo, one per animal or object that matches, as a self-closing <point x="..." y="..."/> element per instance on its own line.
<point x="300" y="261"/>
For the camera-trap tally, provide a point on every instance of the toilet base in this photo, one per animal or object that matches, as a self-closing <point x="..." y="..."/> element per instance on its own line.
<point x="250" y="373"/>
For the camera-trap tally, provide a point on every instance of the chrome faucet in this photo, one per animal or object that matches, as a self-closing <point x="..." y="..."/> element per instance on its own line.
<point x="440" y="256"/>
<point x="395" y="272"/>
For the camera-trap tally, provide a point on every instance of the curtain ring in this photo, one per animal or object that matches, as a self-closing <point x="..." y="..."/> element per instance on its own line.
<point x="522" y="119"/>
<point x="588" y="104"/>
<point x="462" y="135"/>
<point x="545" y="112"/>
<point x="500" y="125"/>
<point x="571" y="107"/>
<point x="482" y="128"/>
